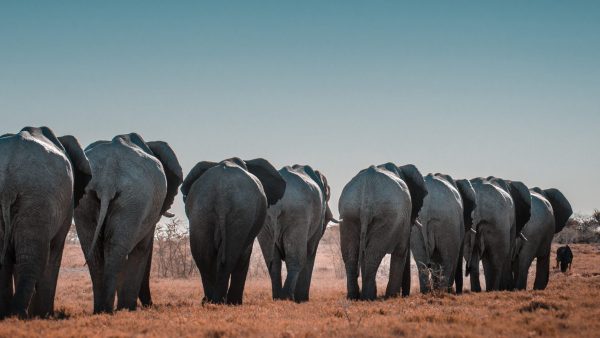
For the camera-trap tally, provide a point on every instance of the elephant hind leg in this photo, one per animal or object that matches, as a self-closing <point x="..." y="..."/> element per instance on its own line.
<point x="397" y="269"/>
<point x="349" y="245"/>
<point x="42" y="304"/>
<point x="406" y="277"/>
<point x="6" y="288"/>
<point x="31" y="257"/>
<point x="303" y="287"/>
<point x="238" y="278"/>
<point x="542" y="273"/>
<point x="458" y="273"/>
<point x="144" y="295"/>
<point x="133" y="273"/>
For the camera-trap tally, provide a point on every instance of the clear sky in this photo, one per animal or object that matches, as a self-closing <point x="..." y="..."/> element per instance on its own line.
<point x="478" y="88"/>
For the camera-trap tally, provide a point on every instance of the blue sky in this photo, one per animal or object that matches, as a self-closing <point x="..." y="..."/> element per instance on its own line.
<point x="475" y="88"/>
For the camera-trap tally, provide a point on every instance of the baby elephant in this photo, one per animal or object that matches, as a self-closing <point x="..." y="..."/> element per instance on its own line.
<point x="564" y="257"/>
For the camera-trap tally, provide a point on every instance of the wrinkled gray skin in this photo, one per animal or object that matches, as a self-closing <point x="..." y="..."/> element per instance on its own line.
<point x="502" y="209"/>
<point x="134" y="183"/>
<point x="293" y="228"/>
<point x="226" y="204"/>
<point x="41" y="179"/>
<point x="550" y="211"/>
<point x="377" y="208"/>
<point x="437" y="237"/>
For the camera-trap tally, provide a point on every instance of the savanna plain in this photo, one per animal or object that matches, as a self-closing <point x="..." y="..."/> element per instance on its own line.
<point x="570" y="306"/>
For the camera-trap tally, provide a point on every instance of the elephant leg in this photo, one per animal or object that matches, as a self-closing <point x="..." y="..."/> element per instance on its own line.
<point x="295" y="262"/>
<point x="303" y="286"/>
<point x="42" y="304"/>
<point x="458" y="273"/>
<point x="369" y="274"/>
<point x="207" y="265"/>
<point x="493" y="273"/>
<point x="406" y="277"/>
<point x="542" y="273"/>
<point x="474" y="272"/>
<point x="275" y="275"/>
<point x="145" y="296"/>
<point x="222" y="285"/>
<point x="238" y="278"/>
<point x="521" y="270"/>
<point x="115" y="259"/>
<point x="31" y="257"/>
<point x="6" y="288"/>
<point x="133" y="273"/>
<point x="272" y="258"/>
<point x="397" y="264"/>
<point x="349" y="245"/>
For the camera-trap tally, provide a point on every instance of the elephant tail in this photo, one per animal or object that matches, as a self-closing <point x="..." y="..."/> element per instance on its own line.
<point x="104" y="203"/>
<point x="222" y="254"/>
<point x="6" y="204"/>
<point x="365" y="220"/>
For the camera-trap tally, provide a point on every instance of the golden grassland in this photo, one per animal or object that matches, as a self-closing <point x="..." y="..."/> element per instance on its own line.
<point x="569" y="307"/>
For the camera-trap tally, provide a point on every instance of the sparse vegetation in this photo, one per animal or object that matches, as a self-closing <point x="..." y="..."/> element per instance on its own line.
<point x="569" y="307"/>
<point x="581" y="229"/>
<point x="172" y="257"/>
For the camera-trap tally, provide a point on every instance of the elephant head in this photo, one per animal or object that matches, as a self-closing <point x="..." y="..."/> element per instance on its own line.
<point x="272" y="182"/>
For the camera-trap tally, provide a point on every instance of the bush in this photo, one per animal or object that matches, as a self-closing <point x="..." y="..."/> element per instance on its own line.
<point x="172" y="256"/>
<point x="581" y="229"/>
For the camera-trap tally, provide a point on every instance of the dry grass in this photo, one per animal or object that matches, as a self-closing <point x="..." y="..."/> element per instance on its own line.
<point x="569" y="307"/>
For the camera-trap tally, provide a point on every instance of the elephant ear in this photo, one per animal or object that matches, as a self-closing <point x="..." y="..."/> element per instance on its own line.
<point x="522" y="201"/>
<point x="198" y="170"/>
<point x="560" y="206"/>
<point x="327" y="190"/>
<point x="467" y="193"/>
<point x="172" y="169"/>
<point x="416" y="185"/>
<point x="269" y="177"/>
<point x="82" y="172"/>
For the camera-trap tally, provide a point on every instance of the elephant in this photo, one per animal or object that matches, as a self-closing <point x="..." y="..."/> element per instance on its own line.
<point x="502" y="209"/>
<point x="134" y="183"/>
<point x="437" y="237"/>
<point x="42" y="179"/>
<point x="293" y="228"/>
<point x="377" y="208"/>
<point x="226" y="204"/>
<point x="564" y="257"/>
<point x="550" y="211"/>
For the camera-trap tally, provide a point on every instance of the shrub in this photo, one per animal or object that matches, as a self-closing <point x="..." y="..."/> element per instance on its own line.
<point x="172" y="256"/>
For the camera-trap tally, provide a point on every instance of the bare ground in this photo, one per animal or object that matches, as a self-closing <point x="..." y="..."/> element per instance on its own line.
<point x="569" y="307"/>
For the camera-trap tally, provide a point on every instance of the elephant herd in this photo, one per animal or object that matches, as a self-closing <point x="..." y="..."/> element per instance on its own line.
<point x="116" y="192"/>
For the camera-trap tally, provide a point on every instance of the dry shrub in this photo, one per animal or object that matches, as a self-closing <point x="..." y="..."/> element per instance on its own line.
<point x="172" y="257"/>
<point x="331" y="241"/>
<point x="581" y="229"/>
